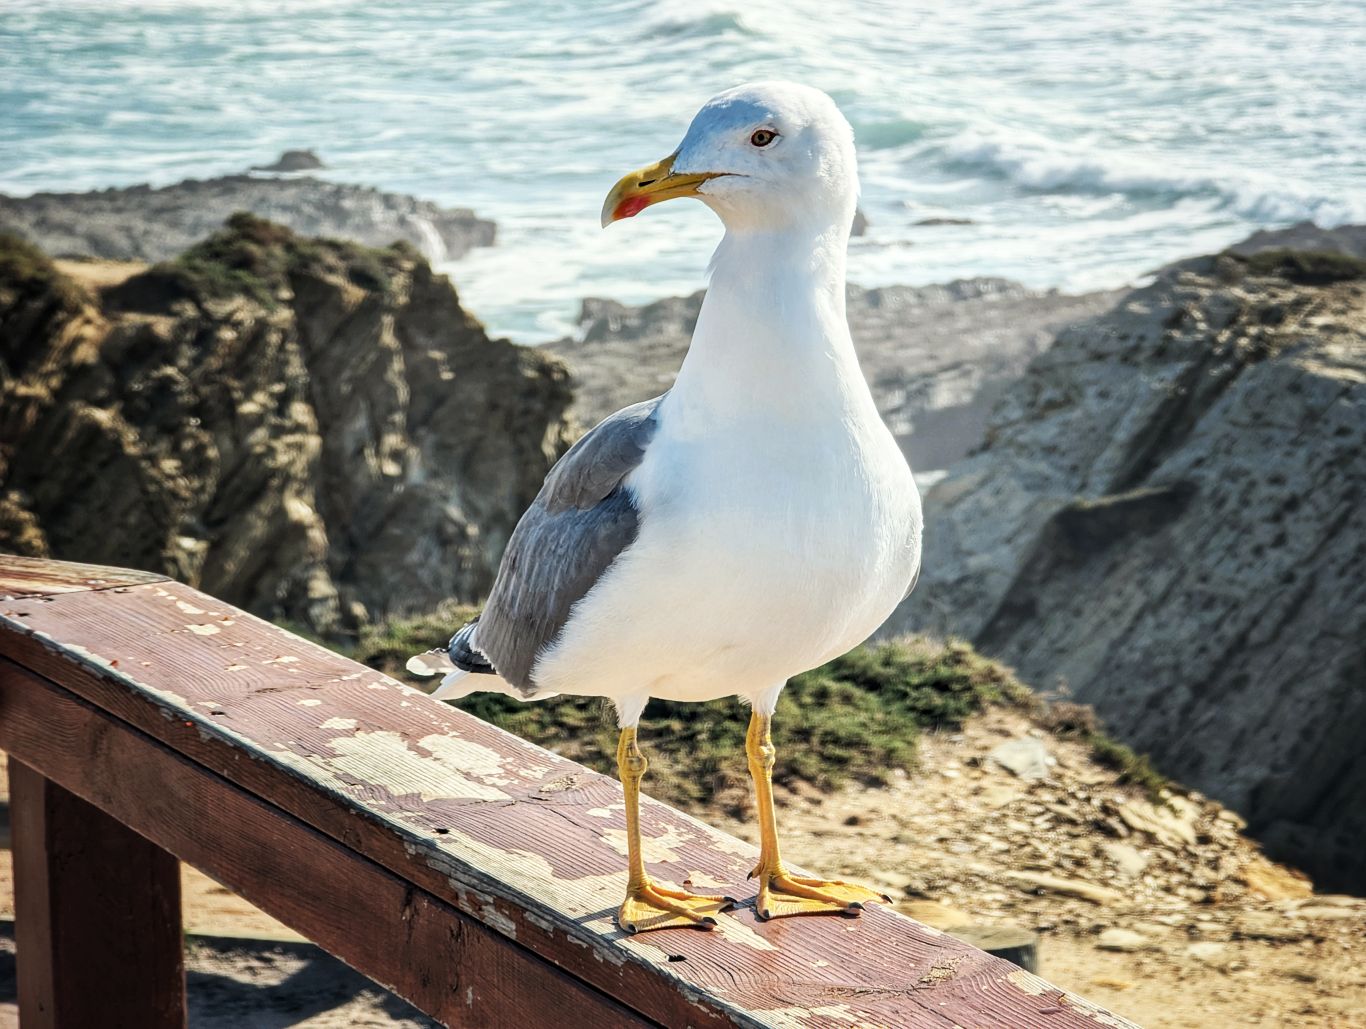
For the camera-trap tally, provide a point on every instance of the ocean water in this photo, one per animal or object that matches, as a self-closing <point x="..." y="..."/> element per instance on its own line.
<point x="1084" y="141"/>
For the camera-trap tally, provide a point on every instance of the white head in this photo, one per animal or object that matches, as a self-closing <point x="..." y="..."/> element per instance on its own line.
<point x="764" y="156"/>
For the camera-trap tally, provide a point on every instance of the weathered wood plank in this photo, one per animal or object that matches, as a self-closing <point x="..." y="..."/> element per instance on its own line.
<point x="414" y="944"/>
<point x="97" y="919"/>
<point x="528" y="843"/>
<point x="34" y="577"/>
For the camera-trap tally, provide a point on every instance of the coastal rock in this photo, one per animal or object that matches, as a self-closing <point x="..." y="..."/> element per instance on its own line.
<point x="144" y="224"/>
<point x="1209" y="952"/>
<point x="1305" y="236"/>
<point x="1169" y="515"/>
<point x="1172" y="822"/>
<point x="1102" y="895"/>
<point x="1129" y="860"/>
<point x="937" y="357"/>
<point x="1266" y="925"/>
<point x="1330" y="912"/>
<point x="1126" y="941"/>
<point x="1275" y="882"/>
<point x="1026" y="758"/>
<point x="293" y="161"/>
<point x="310" y="429"/>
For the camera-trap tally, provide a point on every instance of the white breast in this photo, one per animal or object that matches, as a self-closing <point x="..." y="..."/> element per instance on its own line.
<point x="763" y="551"/>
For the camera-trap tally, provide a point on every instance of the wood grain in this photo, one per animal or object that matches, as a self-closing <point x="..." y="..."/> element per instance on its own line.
<point x="34" y="577"/>
<point x="524" y="842"/>
<point x="97" y="920"/>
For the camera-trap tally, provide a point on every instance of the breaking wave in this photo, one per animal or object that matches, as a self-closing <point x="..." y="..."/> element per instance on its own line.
<point x="714" y="23"/>
<point x="1036" y="163"/>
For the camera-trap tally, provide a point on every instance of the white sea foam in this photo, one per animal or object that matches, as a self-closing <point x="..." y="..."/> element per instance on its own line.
<point x="1037" y="163"/>
<point x="433" y="246"/>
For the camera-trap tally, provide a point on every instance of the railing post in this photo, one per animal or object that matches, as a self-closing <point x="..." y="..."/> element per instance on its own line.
<point x="97" y="915"/>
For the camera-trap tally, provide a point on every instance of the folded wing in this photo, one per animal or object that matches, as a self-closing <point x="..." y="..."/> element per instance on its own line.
<point x="580" y="522"/>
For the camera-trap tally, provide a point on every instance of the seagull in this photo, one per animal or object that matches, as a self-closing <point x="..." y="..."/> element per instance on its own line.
<point x="754" y="522"/>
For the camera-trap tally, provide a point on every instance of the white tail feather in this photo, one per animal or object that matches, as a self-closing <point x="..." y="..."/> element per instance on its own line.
<point x="433" y="662"/>
<point x="457" y="683"/>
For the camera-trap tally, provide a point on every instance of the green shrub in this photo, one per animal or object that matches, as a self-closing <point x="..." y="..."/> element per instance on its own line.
<point x="27" y="270"/>
<point x="254" y="258"/>
<point x="1080" y="721"/>
<point x="1132" y="766"/>
<point x="856" y="718"/>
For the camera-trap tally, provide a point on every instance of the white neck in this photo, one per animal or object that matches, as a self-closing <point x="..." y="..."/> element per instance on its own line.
<point x="772" y="338"/>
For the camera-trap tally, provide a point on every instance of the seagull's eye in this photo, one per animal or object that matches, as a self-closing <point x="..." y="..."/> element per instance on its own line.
<point x="763" y="137"/>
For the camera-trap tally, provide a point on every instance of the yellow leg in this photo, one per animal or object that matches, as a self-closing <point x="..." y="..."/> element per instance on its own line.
<point x="648" y="906"/>
<point x="781" y="893"/>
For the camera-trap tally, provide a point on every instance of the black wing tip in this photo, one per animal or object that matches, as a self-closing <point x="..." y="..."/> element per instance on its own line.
<point x="463" y="655"/>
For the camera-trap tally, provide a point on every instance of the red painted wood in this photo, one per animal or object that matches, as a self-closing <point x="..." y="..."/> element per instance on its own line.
<point x="439" y="959"/>
<point x="527" y="843"/>
<point x="97" y="915"/>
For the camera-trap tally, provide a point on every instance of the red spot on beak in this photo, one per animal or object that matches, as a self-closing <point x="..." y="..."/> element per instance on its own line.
<point x="630" y="207"/>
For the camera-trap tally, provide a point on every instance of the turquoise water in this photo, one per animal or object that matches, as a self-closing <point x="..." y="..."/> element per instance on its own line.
<point x="1086" y="140"/>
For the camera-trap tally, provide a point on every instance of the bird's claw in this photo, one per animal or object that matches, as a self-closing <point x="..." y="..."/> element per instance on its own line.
<point x="649" y="906"/>
<point x="782" y="894"/>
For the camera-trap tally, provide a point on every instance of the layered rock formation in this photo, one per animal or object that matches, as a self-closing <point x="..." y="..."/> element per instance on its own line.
<point x="1169" y="515"/>
<point x="937" y="357"/>
<point x="144" y="224"/>
<point x="310" y="429"/>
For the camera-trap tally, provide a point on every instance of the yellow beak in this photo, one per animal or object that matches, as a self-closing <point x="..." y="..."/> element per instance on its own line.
<point x="647" y="186"/>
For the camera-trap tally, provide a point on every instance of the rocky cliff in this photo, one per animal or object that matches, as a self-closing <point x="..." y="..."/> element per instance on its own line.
<point x="144" y="224"/>
<point x="937" y="357"/>
<point x="1169" y="515"/>
<point x="310" y="429"/>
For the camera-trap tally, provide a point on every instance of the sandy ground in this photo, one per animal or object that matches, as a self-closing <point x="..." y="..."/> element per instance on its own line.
<point x="1219" y="937"/>
<point x="1212" y="951"/>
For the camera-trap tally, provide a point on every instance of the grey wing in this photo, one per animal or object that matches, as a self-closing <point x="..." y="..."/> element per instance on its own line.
<point x="582" y="519"/>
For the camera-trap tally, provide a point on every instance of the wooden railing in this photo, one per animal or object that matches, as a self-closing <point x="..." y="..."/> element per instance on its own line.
<point x="468" y="871"/>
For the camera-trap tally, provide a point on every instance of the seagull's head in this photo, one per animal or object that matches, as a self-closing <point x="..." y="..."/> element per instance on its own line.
<point x="768" y="155"/>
